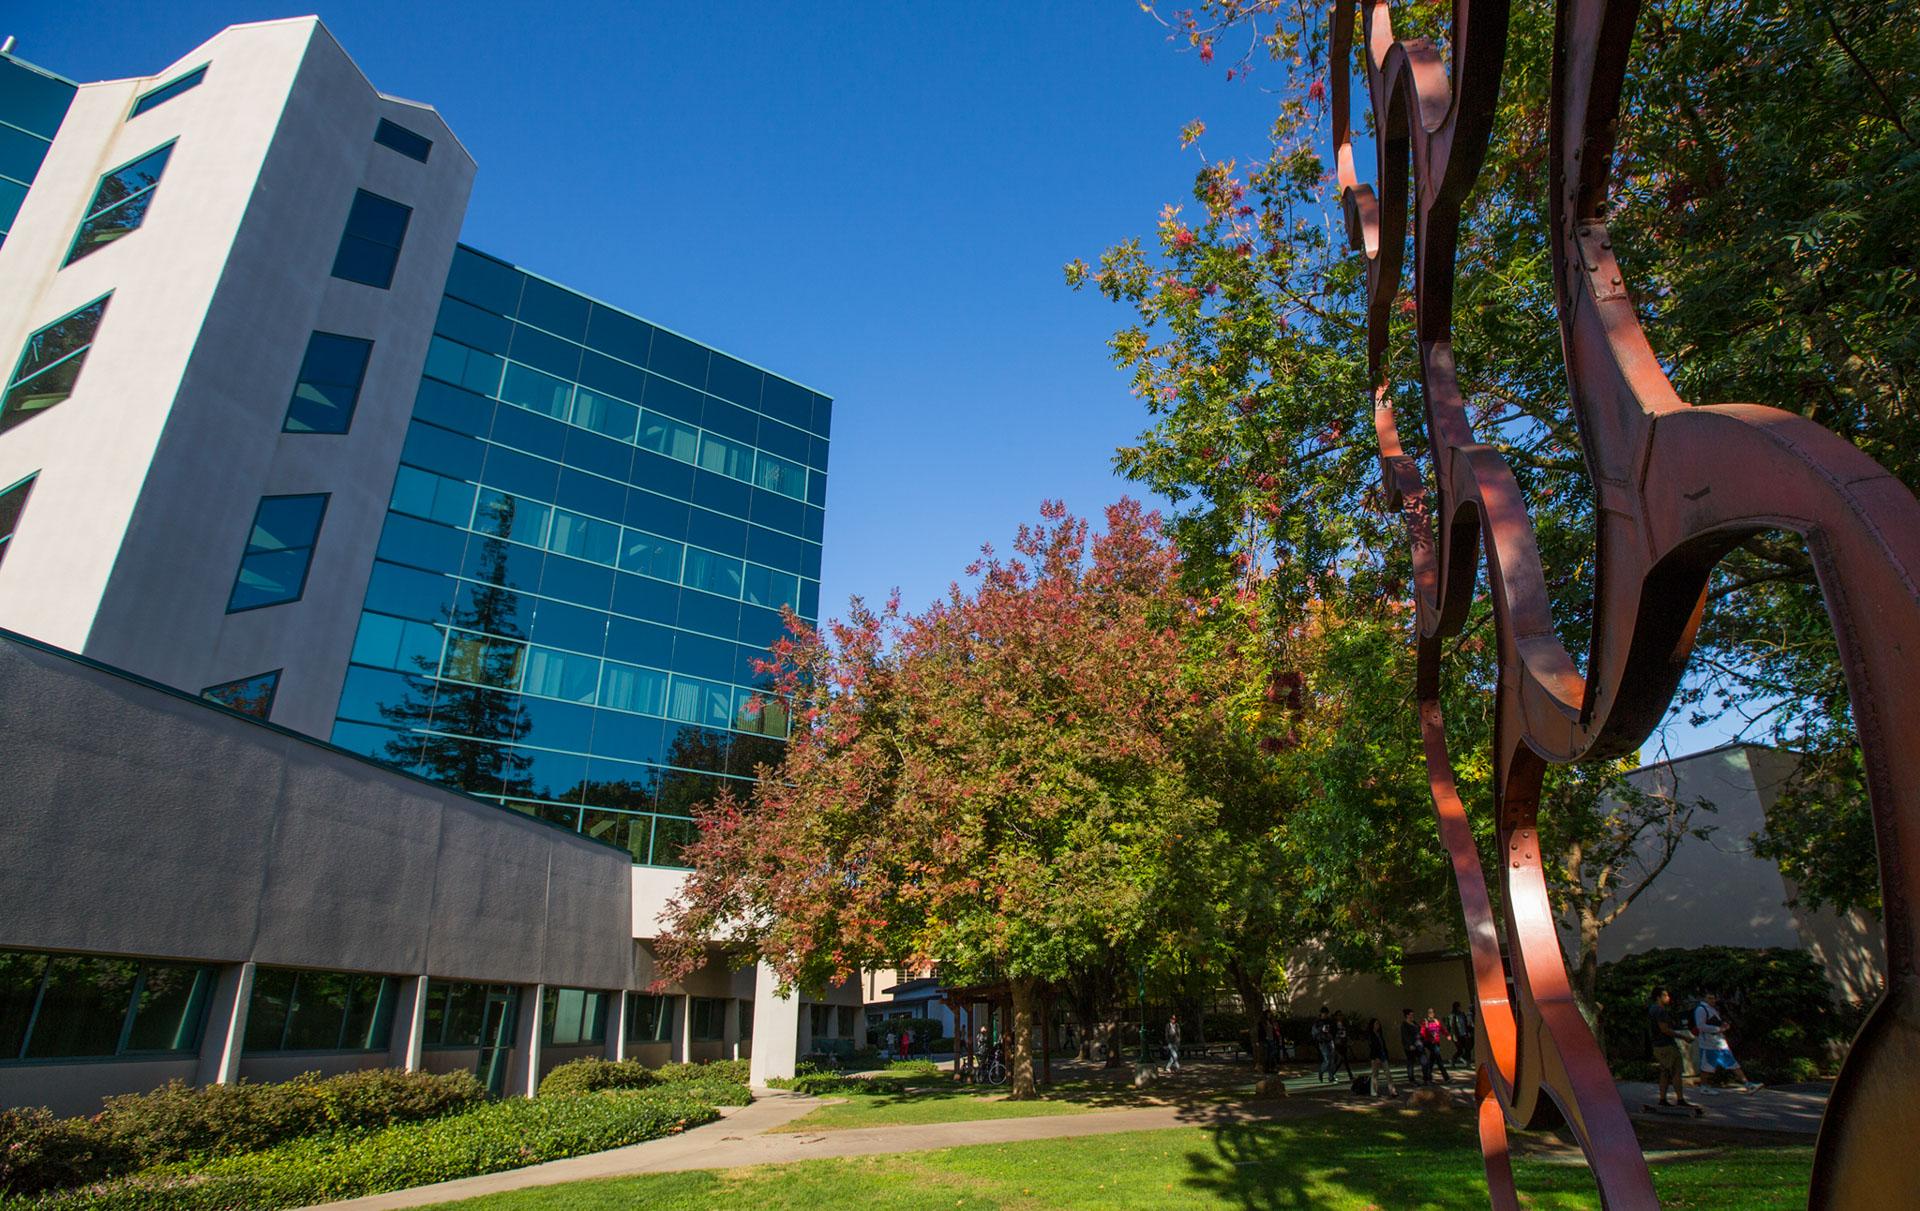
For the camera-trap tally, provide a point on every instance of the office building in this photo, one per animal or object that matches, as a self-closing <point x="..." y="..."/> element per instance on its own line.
<point x="273" y="438"/>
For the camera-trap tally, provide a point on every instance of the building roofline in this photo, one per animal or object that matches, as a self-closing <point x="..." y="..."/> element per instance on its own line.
<point x="17" y="61"/>
<point x="1716" y="750"/>
<point x="28" y="641"/>
<point x="599" y="302"/>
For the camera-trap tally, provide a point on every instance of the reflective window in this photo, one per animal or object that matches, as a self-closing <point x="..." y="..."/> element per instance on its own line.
<point x="50" y="364"/>
<point x="484" y="660"/>
<point x="402" y="140"/>
<point x="709" y="1019"/>
<point x="470" y="1015"/>
<point x="463" y="367"/>
<point x="649" y="1019"/>
<point x="511" y="517"/>
<point x="435" y="497"/>
<point x="168" y="91"/>
<point x="725" y="457"/>
<point x="650" y="555"/>
<point x="761" y="714"/>
<point x="13" y="502"/>
<point x="573" y="1017"/>
<point x="273" y="568"/>
<point x="605" y="414"/>
<point x="584" y="537"/>
<point x="664" y="435"/>
<point x="329" y="384"/>
<point x="370" y="246"/>
<point x="397" y="643"/>
<point x="536" y="390"/>
<point x="713" y="573"/>
<point x="780" y="475"/>
<point x="81" y="1006"/>
<point x="318" y="1011"/>
<point x="248" y="695"/>
<point x="628" y="687"/>
<point x="567" y="675"/>
<point x="702" y="702"/>
<point x="767" y="587"/>
<point x="120" y="203"/>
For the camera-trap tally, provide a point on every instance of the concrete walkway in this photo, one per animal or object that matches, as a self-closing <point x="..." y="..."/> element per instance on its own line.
<point x="1789" y="1108"/>
<point x="740" y="1139"/>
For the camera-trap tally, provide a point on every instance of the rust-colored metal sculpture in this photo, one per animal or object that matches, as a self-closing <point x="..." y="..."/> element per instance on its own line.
<point x="1676" y="487"/>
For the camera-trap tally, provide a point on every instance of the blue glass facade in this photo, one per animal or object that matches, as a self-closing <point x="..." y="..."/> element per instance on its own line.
<point x="592" y="530"/>
<point x="33" y="103"/>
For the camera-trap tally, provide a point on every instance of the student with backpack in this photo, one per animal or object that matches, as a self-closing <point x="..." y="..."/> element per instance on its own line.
<point x="1410" y="1041"/>
<point x="1460" y="1023"/>
<point x="1323" y="1038"/>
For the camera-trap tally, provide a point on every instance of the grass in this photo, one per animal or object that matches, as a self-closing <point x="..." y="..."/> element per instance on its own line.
<point x="1339" y="1161"/>
<point x="914" y="1099"/>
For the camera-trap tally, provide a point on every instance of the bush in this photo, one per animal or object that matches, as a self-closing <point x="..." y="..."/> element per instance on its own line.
<point x="179" y="1122"/>
<point x="486" y="1139"/>
<point x="1777" y="1001"/>
<point x="732" y="1072"/>
<point x="915" y="1067"/>
<point x="592" y="1075"/>
<point x="40" y="1152"/>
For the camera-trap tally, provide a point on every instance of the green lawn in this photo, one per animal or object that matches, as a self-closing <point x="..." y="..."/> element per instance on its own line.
<point x="913" y="1099"/>
<point x="1334" y="1161"/>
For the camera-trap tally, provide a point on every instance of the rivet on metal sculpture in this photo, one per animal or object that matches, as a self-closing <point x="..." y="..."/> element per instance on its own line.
<point x="1676" y="487"/>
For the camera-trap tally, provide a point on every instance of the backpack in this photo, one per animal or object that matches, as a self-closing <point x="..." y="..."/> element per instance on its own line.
<point x="1323" y="1031"/>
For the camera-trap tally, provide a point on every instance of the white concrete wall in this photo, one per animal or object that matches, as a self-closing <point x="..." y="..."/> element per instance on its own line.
<point x="150" y="473"/>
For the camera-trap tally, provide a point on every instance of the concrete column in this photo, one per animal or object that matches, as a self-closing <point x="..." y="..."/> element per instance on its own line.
<point x="409" y="1038"/>
<point x="730" y="1030"/>
<point x="226" y="1026"/>
<point x="680" y="1010"/>
<point x="524" y="1078"/>
<point x="776" y="1028"/>
<point x="617" y="1028"/>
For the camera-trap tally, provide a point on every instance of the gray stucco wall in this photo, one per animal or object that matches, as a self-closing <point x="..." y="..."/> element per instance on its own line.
<point x="143" y="822"/>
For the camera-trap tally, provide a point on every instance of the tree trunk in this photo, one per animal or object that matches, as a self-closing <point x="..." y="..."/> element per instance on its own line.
<point x="1587" y="971"/>
<point x="1253" y="1001"/>
<point x="1020" y="1041"/>
<point x="1114" y="1058"/>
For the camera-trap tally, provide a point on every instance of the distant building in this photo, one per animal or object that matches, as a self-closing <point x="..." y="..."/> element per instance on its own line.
<point x="1715" y="892"/>
<point x="274" y="438"/>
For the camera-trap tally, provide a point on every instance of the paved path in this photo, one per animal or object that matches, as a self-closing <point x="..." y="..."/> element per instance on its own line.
<point x="1793" y="1108"/>
<point x="740" y="1139"/>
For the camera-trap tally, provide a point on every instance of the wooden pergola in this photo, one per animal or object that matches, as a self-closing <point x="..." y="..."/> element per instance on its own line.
<point x="997" y="995"/>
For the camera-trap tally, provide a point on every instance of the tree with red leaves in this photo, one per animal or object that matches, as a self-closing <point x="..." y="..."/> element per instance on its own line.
<point x="1016" y="783"/>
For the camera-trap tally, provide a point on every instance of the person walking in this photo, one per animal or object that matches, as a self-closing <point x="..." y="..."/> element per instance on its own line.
<point x="1669" y="1036"/>
<point x="1432" y="1034"/>
<point x="1378" y="1065"/>
<point x="1460" y="1023"/>
<point x="1710" y="1030"/>
<point x="1410" y="1041"/>
<point x="1323" y="1039"/>
<point x="906" y="1044"/>
<point x="1173" y="1043"/>
<point x="889" y="1050"/>
<point x="1342" y="1054"/>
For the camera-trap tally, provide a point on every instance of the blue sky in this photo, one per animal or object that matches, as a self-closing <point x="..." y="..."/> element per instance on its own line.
<point x="875" y="199"/>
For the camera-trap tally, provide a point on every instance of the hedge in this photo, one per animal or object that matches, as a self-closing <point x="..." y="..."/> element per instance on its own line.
<point x="593" y="1075"/>
<point x="499" y="1135"/>
<point x="1778" y="1003"/>
<point x="179" y="1123"/>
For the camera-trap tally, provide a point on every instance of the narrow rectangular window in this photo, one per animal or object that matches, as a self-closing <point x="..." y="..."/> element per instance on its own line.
<point x="248" y="695"/>
<point x="329" y="384"/>
<point x="370" y="246"/>
<point x="168" y="91"/>
<point x="402" y="140"/>
<point x="50" y="364"/>
<point x="120" y="203"/>
<point x="13" y="502"/>
<point x="273" y="568"/>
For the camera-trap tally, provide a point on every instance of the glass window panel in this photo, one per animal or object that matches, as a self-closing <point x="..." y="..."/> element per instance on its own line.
<point x="558" y="310"/>
<point x="13" y="502"/>
<point x="370" y="245"/>
<point x="528" y="432"/>
<point x="168" y="91"/>
<point x="402" y="140"/>
<point x="672" y="834"/>
<point x="535" y="348"/>
<point x="319" y="1008"/>
<point x="724" y="457"/>
<point x="248" y="695"/>
<point x="279" y="549"/>
<point x="369" y="1014"/>
<point x="648" y="1020"/>
<point x="20" y="973"/>
<point x="584" y="537"/>
<point x="282" y="523"/>
<point x="629" y="687"/>
<point x="510" y="517"/>
<point x="787" y="402"/>
<point x="679" y="358"/>
<point x="484" y="281"/>
<point x="119" y="203"/>
<point x="271" y="578"/>
<point x="536" y="390"/>
<point x="650" y="555"/>
<point x="378" y="641"/>
<point x="566" y="675"/>
<point x="268" y="1010"/>
<point x="472" y="325"/>
<point x="49" y="365"/>
<point x="605" y="414"/>
<point x="713" y="573"/>
<point x="559" y="625"/>
<point x="83" y="1008"/>
<point x="702" y="702"/>
<point x="465" y="1013"/>
<point x="664" y="435"/>
<point x="483" y="660"/>
<point x="329" y="384"/>
<point x="780" y="475"/>
<point x="619" y="334"/>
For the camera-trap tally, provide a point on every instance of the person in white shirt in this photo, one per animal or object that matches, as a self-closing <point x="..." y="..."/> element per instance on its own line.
<point x="1710" y="1033"/>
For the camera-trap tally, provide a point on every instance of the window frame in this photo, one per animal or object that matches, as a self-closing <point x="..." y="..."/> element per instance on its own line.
<point x="347" y="233"/>
<point x="405" y="133"/>
<point x="15" y="381"/>
<point x="75" y="249"/>
<point x="24" y="486"/>
<point x="273" y="692"/>
<point x="300" y="380"/>
<point x="160" y="94"/>
<point x="312" y="545"/>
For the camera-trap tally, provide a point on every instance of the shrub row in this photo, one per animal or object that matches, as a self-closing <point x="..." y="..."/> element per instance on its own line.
<point x="500" y="1135"/>
<point x="1778" y="1002"/>
<point x="179" y="1122"/>
<point x="593" y="1075"/>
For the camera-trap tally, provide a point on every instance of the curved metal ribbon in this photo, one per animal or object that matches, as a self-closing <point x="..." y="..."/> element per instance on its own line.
<point x="1676" y="488"/>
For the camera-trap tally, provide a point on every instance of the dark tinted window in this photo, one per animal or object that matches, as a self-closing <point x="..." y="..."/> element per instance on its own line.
<point x="370" y="246"/>
<point x="273" y="568"/>
<point x="402" y="140"/>
<point x="248" y="695"/>
<point x="168" y="91"/>
<point x="50" y="364"/>
<point x="120" y="203"/>
<point x="329" y="384"/>
<point x="13" y="502"/>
